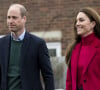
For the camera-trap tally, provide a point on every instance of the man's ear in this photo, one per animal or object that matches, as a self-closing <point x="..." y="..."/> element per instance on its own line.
<point x="24" y="19"/>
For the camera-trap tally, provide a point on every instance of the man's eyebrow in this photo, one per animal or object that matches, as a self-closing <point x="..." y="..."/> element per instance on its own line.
<point x="12" y="16"/>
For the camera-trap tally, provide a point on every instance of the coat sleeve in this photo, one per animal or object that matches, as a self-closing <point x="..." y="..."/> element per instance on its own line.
<point x="68" y="80"/>
<point x="45" y="66"/>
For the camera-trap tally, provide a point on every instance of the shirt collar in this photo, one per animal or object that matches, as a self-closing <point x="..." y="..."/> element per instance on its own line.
<point x="20" y="38"/>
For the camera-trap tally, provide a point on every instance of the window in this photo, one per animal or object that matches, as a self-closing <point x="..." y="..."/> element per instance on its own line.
<point x="54" y="49"/>
<point x="2" y="36"/>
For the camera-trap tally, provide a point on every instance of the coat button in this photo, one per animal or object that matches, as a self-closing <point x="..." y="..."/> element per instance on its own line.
<point x="84" y="81"/>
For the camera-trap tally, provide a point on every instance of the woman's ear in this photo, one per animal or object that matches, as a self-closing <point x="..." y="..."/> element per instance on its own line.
<point x="93" y="23"/>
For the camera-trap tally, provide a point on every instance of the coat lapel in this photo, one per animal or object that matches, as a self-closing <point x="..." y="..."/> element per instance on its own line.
<point x="74" y="61"/>
<point x="6" y="51"/>
<point x="91" y="53"/>
<point x="25" y="46"/>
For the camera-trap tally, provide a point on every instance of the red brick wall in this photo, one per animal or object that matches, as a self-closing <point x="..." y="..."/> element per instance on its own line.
<point x="46" y="15"/>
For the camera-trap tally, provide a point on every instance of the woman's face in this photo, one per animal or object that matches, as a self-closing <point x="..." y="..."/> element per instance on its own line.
<point x="83" y="24"/>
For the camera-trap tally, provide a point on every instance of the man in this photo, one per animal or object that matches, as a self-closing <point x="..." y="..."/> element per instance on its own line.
<point x="23" y="56"/>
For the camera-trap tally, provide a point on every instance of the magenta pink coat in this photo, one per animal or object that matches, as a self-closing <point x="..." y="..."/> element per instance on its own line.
<point x="91" y="72"/>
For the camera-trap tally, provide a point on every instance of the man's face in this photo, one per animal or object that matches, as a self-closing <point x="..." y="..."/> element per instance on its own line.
<point x="15" y="21"/>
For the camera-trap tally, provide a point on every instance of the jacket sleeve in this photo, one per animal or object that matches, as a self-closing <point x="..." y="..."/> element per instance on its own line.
<point x="68" y="80"/>
<point x="45" y="66"/>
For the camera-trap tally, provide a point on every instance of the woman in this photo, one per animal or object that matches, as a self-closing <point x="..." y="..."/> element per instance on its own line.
<point x="83" y="57"/>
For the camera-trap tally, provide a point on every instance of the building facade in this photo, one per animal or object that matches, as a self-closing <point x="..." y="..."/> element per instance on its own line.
<point x="51" y="20"/>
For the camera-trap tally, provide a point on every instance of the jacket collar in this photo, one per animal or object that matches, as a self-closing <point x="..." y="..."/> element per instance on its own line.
<point x="75" y="55"/>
